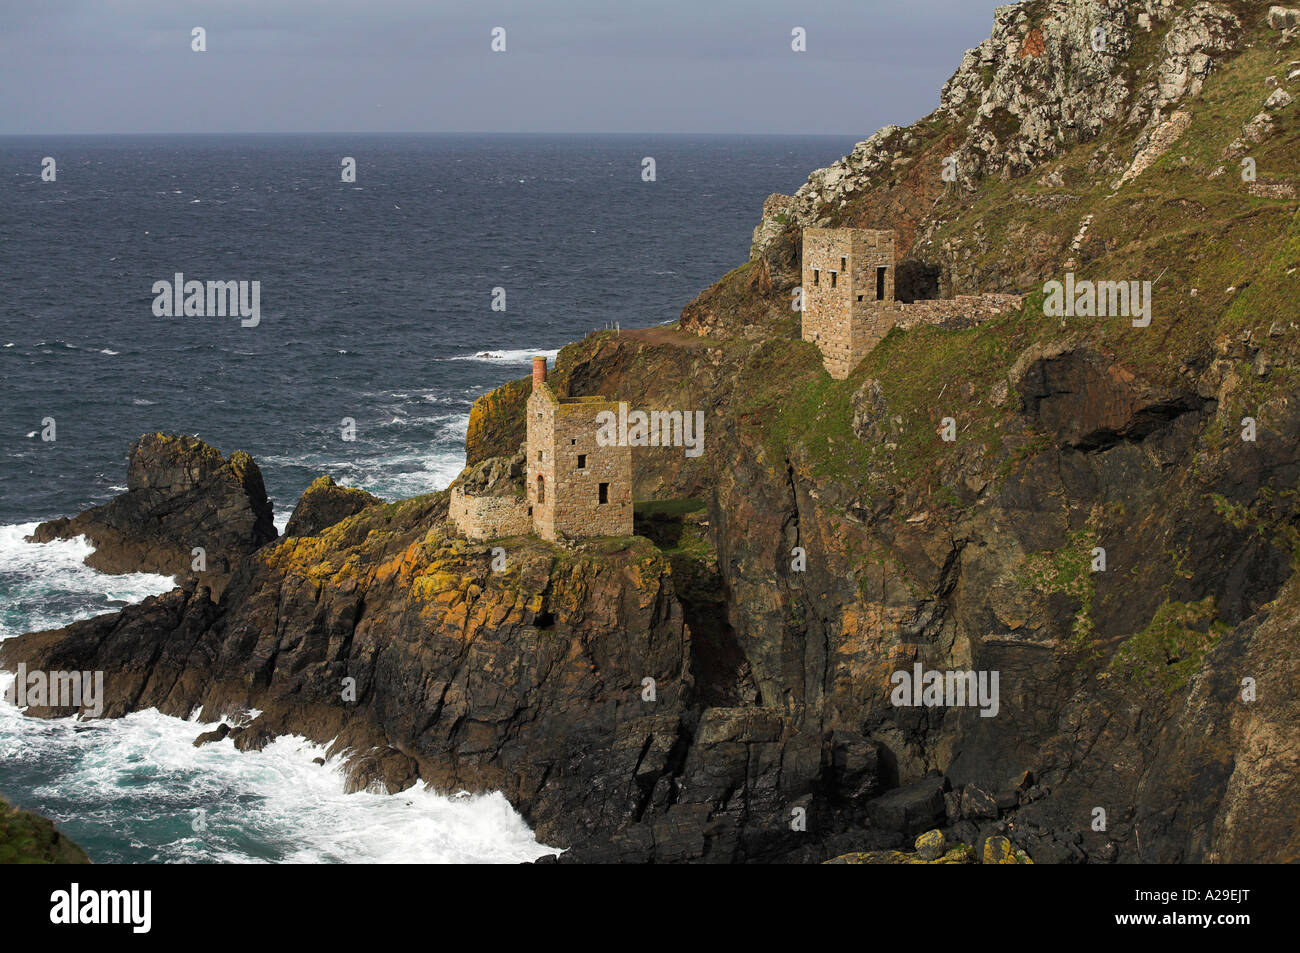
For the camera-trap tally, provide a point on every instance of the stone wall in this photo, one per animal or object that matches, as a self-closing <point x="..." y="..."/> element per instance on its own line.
<point x="488" y="517"/>
<point x="963" y="311"/>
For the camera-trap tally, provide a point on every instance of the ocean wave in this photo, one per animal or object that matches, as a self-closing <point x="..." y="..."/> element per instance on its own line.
<point x="506" y="356"/>
<point x="389" y="473"/>
<point x="136" y="789"/>
<point x="46" y="585"/>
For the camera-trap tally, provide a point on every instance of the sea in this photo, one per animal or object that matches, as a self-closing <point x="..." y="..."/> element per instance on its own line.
<point x="387" y="304"/>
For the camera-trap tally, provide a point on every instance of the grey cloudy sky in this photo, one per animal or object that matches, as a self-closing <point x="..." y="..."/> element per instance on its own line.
<point x="104" y="66"/>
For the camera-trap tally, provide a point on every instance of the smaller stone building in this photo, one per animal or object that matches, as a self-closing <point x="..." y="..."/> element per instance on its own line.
<point x="576" y="486"/>
<point x="563" y="484"/>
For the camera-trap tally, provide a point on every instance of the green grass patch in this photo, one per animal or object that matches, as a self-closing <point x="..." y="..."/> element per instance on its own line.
<point x="1168" y="652"/>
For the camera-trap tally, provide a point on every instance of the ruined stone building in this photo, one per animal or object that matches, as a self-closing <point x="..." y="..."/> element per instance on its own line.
<point x="848" y="288"/>
<point x="572" y="486"/>
<point x="848" y="297"/>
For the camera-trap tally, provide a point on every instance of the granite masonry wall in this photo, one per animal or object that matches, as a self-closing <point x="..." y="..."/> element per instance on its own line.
<point x="489" y="517"/>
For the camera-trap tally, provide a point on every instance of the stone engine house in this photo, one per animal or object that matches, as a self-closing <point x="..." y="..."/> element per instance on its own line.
<point x="848" y="297"/>
<point x="573" y="486"/>
<point x="848" y="293"/>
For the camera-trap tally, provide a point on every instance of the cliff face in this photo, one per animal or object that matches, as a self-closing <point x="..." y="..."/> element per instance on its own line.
<point x="1074" y="434"/>
<point x="1156" y="686"/>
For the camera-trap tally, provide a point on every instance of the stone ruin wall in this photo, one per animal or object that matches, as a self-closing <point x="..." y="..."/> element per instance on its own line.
<point x="489" y="517"/>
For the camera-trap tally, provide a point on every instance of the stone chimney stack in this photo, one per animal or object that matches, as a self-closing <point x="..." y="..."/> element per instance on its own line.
<point x="539" y="371"/>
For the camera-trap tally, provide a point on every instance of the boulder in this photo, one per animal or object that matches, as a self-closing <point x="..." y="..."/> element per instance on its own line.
<point x="978" y="804"/>
<point x="931" y="845"/>
<point x="910" y="809"/>
<point x="1278" y="99"/>
<point x="999" y="850"/>
<point x="325" y="503"/>
<point x="1283" y="18"/>
<point x="216" y="734"/>
<point x="854" y="769"/>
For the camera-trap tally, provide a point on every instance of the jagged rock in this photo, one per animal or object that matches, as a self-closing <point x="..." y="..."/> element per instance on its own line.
<point x="181" y="494"/>
<point x="1279" y="99"/>
<point x="1197" y="35"/>
<point x="495" y="476"/>
<point x="999" y="850"/>
<point x="777" y="214"/>
<point x="855" y="765"/>
<point x="911" y="808"/>
<point x="870" y="412"/>
<point x="385" y="769"/>
<point x="216" y="734"/>
<point x="1164" y="136"/>
<point x="1025" y="107"/>
<point x="1235" y="743"/>
<point x="978" y="804"/>
<point x="324" y="504"/>
<point x="1282" y="18"/>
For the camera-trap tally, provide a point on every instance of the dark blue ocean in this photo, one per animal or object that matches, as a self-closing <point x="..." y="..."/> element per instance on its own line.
<point x="376" y="305"/>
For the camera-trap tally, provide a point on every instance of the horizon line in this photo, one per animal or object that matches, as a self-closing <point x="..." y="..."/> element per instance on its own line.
<point x="450" y="132"/>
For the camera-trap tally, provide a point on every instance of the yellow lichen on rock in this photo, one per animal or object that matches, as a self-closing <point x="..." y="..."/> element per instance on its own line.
<point x="999" y="850"/>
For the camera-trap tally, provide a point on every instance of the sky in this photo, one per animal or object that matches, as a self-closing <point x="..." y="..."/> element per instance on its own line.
<point x="694" y="66"/>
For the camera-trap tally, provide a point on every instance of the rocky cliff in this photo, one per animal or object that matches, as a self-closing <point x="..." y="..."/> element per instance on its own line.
<point x="1114" y="530"/>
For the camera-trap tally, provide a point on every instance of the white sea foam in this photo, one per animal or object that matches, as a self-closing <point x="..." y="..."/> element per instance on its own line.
<point x="133" y="788"/>
<point x="141" y="781"/>
<point x="391" y="474"/>
<point x="506" y="356"/>
<point x="46" y="585"/>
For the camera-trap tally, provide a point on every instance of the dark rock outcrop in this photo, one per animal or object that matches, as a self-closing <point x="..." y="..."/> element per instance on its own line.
<point x="325" y="503"/>
<point x="181" y="495"/>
